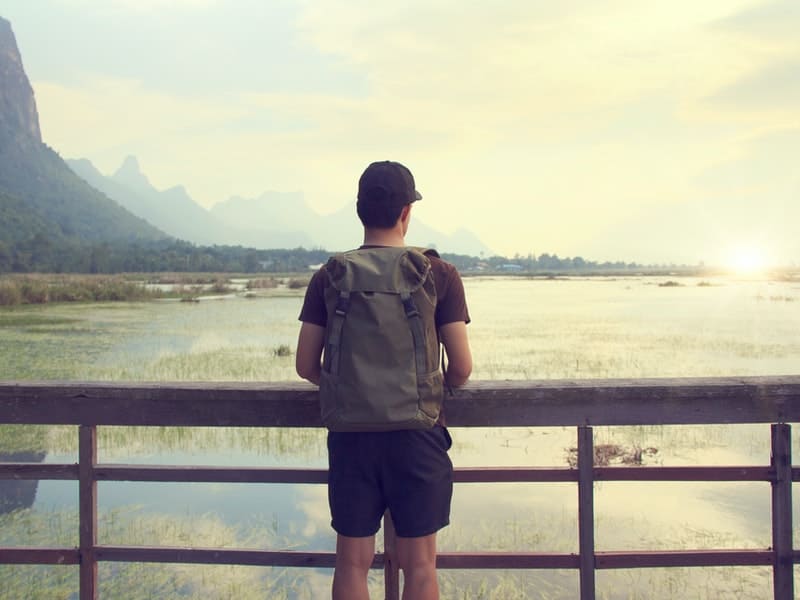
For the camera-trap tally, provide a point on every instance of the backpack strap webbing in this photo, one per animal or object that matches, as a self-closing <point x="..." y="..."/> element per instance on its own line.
<point x="335" y="336"/>
<point x="417" y="332"/>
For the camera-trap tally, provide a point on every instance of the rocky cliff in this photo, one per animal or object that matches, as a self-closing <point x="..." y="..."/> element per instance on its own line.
<point x="18" y="116"/>
<point x="40" y="196"/>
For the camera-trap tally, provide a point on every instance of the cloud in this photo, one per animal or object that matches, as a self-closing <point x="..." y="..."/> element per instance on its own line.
<point x="773" y="87"/>
<point x="767" y="77"/>
<point x="769" y="22"/>
<point x="533" y="123"/>
<point x="186" y="46"/>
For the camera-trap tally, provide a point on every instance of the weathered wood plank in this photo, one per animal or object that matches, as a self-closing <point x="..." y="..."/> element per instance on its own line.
<point x="212" y="474"/>
<point x="391" y="570"/>
<point x="219" y="556"/>
<point x="646" y="559"/>
<point x="38" y="471"/>
<point x="514" y="474"/>
<point x="506" y="560"/>
<point x="586" y="512"/>
<point x="23" y="555"/>
<point x="727" y="473"/>
<point x="87" y="510"/>
<point x="164" y="404"/>
<point x="782" y="567"/>
<point x="487" y="403"/>
<point x="287" y="558"/>
<point x="205" y="474"/>
<point x="445" y="560"/>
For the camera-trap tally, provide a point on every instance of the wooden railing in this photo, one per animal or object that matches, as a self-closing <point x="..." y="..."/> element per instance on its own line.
<point x="581" y="404"/>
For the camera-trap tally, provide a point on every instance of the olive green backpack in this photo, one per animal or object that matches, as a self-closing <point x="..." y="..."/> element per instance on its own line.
<point x="380" y="368"/>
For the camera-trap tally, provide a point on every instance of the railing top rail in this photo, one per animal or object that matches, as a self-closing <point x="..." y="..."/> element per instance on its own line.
<point x="479" y="404"/>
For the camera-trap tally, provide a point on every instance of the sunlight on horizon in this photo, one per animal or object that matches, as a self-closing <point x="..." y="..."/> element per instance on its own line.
<point x="748" y="259"/>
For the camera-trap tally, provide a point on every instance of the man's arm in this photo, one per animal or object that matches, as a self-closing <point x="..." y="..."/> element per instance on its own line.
<point x="459" y="356"/>
<point x="309" y="352"/>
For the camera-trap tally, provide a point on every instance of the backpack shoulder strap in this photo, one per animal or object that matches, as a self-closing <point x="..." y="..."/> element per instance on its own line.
<point x="426" y="251"/>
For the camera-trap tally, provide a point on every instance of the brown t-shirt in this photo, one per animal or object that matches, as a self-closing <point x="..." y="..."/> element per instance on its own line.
<point x="451" y="303"/>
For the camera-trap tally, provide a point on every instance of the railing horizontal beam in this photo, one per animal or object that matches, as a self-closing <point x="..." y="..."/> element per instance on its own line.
<point x="38" y="471"/>
<point x="506" y="560"/>
<point x="514" y="475"/>
<point x="478" y="404"/>
<point x="220" y="556"/>
<point x="205" y="474"/>
<point x="212" y="474"/>
<point x="581" y="403"/>
<point x="682" y="558"/>
<point x="23" y="555"/>
<point x="728" y="473"/>
<point x="445" y="560"/>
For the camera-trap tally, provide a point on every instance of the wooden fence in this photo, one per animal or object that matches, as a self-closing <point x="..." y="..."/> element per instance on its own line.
<point x="582" y="404"/>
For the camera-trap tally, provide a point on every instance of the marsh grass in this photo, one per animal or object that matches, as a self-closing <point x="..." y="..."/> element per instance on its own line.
<point x="521" y="330"/>
<point x="32" y="320"/>
<point x="262" y="283"/>
<point x="16" y="439"/>
<point x="680" y="583"/>
<point x="123" y="443"/>
<point x="298" y="283"/>
<point x="117" y="443"/>
<point x="131" y="580"/>
<point x="47" y="289"/>
<point x="244" y="363"/>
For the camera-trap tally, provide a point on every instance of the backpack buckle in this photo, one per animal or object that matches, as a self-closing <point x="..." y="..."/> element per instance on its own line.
<point x="342" y="304"/>
<point x="410" y="307"/>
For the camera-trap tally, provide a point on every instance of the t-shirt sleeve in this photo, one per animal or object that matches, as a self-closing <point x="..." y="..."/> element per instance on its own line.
<point x="314" y="310"/>
<point x="452" y="301"/>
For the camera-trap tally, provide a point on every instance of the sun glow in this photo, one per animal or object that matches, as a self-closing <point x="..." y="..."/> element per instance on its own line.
<point x="747" y="258"/>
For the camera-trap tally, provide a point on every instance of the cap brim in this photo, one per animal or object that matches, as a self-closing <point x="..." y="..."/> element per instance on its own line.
<point x="417" y="196"/>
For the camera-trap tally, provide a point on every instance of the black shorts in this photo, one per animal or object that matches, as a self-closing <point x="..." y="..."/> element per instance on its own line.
<point x="408" y="472"/>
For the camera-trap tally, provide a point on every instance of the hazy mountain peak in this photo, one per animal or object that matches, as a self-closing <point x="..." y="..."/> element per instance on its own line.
<point x="130" y="174"/>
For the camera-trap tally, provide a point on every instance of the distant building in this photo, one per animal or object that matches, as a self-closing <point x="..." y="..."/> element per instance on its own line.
<point x="510" y="267"/>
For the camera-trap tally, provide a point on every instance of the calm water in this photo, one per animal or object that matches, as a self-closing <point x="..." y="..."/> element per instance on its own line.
<point x="521" y="329"/>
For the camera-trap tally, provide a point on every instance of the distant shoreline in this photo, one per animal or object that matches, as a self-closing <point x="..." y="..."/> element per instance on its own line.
<point x="30" y="289"/>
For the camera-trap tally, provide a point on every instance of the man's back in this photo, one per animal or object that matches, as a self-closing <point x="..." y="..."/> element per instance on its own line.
<point x="406" y="471"/>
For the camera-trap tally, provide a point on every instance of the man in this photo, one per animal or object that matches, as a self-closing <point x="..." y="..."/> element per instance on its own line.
<point x="407" y="471"/>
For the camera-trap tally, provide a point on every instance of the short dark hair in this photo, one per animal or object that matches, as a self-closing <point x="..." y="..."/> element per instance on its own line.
<point x="383" y="190"/>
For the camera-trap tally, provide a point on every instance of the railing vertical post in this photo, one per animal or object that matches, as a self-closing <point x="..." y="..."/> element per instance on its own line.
<point x="781" y="461"/>
<point x="87" y="506"/>
<point x="586" y="511"/>
<point x="391" y="574"/>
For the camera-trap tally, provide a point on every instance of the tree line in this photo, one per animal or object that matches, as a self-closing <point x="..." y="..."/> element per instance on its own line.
<point x="45" y="254"/>
<point x="41" y="254"/>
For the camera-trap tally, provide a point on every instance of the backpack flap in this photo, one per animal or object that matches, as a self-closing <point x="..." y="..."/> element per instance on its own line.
<point x="381" y="362"/>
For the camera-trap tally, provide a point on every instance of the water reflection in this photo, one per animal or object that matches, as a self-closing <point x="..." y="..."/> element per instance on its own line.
<point x="19" y="493"/>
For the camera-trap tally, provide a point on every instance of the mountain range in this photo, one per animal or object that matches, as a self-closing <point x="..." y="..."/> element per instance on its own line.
<point x="59" y="215"/>
<point x="41" y="196"/>
<point x="271" y="220"/>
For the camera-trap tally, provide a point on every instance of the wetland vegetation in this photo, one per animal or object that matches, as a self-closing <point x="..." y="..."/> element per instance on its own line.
<point x="523" y="328"/>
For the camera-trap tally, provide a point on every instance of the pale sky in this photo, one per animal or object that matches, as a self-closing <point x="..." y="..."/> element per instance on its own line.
<point x="637" y="130"/>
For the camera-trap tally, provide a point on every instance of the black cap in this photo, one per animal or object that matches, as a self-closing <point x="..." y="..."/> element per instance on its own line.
<point x="387" y="181"/>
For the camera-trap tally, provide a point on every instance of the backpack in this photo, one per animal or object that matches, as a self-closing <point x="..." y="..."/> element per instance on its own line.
<point x="380" y="367"/>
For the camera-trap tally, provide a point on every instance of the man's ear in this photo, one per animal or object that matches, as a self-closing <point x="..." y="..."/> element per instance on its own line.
<point x="405" y="213"/>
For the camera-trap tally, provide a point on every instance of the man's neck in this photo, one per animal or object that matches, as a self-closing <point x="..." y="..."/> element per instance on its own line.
<point x="384" y="237"/>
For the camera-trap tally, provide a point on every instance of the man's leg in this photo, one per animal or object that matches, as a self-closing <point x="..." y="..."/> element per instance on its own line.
<point x="354" y="556"/>
<point x="417" y="559"/>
